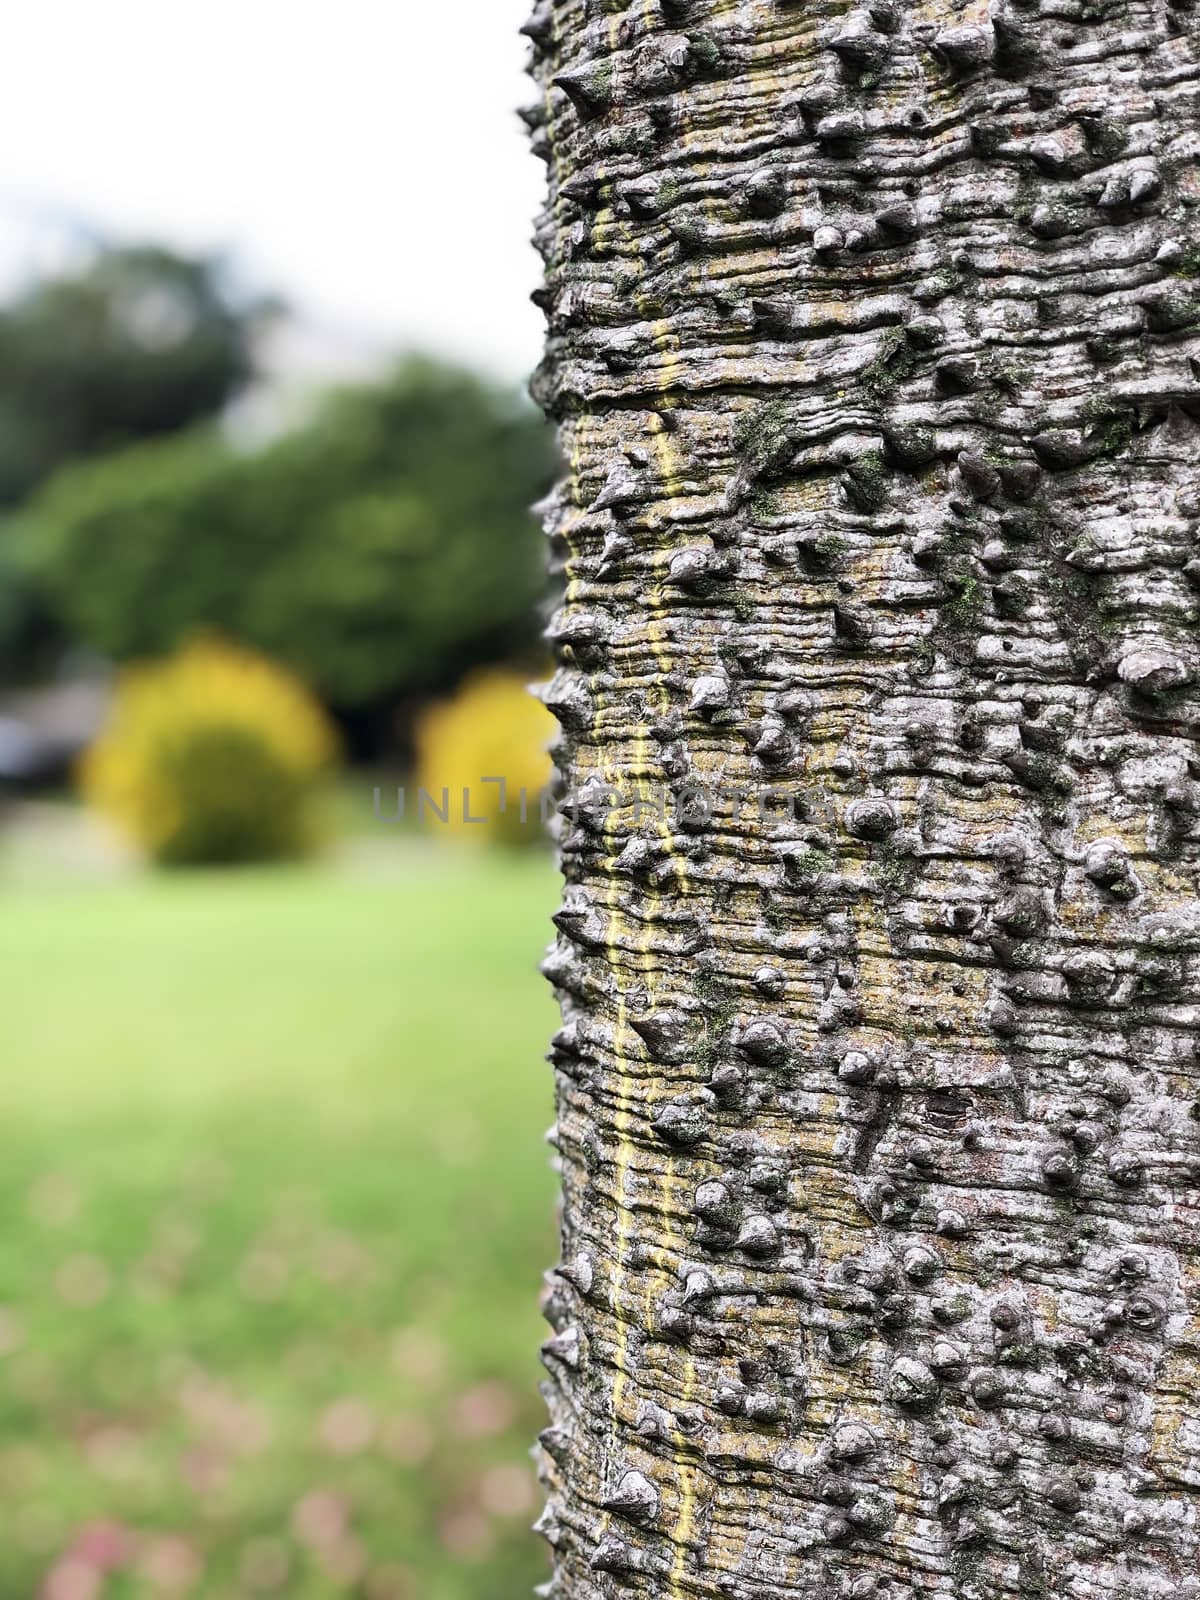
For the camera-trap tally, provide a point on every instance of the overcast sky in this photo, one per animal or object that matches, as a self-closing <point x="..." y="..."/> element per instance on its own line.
<point x="363" y="156"/>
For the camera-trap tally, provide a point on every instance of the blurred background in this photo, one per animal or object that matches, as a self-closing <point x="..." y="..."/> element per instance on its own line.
<point x="274" y="1194"/>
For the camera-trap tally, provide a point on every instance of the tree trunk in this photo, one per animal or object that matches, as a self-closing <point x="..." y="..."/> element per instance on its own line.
<point x="873" y="345"/>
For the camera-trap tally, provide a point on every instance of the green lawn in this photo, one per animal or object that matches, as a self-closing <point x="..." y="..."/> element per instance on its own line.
<point x="276" y="1208"/>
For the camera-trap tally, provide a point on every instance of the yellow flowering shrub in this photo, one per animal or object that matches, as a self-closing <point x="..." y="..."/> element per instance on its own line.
<point x="492" y="728"/>
<point x="214" y="755"/>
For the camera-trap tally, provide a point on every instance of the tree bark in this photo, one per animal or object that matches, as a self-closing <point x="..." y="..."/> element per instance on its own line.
<point x="873" y="346"/>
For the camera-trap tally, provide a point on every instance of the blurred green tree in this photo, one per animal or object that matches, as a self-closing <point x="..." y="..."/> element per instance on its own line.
<point x="381" y="551"/>
<point x="139" y="343"/>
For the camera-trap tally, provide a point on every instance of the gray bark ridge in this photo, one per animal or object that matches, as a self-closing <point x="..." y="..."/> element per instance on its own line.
<point x="873" y="344"/>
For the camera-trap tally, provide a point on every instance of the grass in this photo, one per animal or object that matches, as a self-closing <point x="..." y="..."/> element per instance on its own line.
<point x="276" y="1209"/>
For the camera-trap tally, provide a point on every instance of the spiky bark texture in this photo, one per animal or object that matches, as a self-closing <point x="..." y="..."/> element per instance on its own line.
<point x="873" y="346"/>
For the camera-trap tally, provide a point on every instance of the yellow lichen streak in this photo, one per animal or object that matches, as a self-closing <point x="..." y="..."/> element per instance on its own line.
<point x="686" y="1515"/>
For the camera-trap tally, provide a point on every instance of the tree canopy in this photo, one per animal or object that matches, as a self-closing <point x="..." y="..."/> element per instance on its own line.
<point x="139" y="343"/>
<point x="380" y="550"/>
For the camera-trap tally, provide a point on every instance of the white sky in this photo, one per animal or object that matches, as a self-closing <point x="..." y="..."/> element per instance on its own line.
<point x="361" y="156"/>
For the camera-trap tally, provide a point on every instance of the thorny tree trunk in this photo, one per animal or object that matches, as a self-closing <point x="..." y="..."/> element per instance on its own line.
<point x="873" y="346"/>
